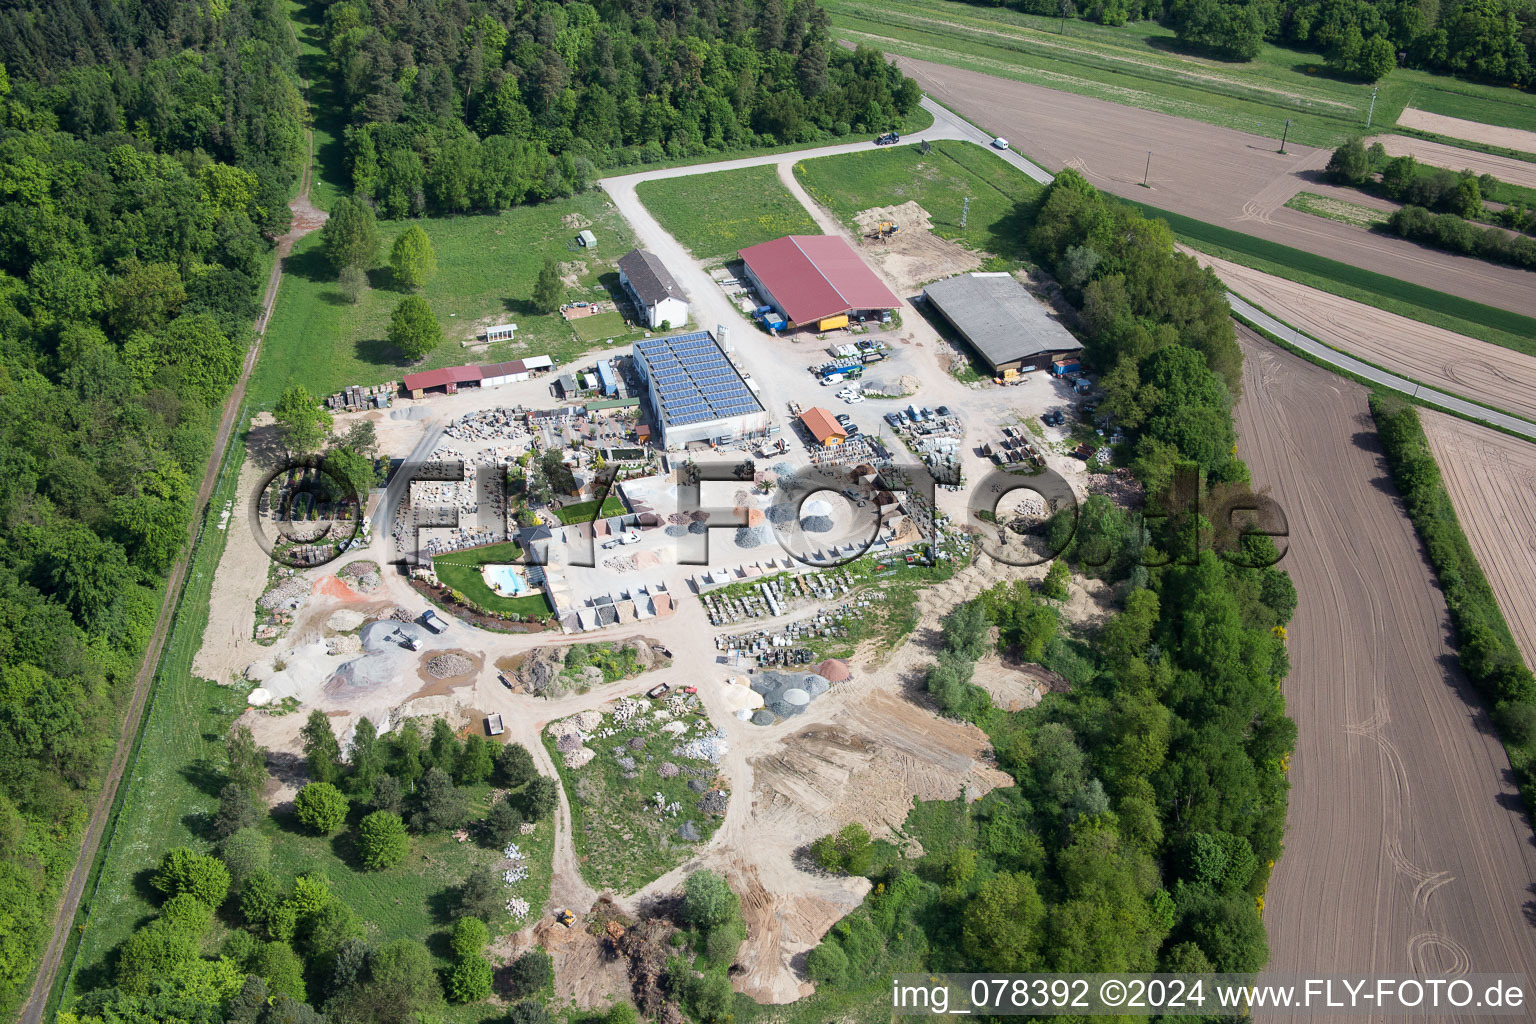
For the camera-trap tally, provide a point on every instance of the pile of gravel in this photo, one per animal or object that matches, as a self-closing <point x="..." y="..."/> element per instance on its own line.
<point x="762" y="716"/>
<point x="637" y="743"/>
<point x="748" y="537"/>
<point x="816" y="524"/>
<point x="666" y="769"/>
<point x="778" y="515"/>
<point x="568" y="742"/>
<point x="446" y="666"/>
<point x="288" y="594"/>
<point x="627" y="763"/>
<point x="698" y="527"/>
<point x="676" y="531"/>
<point x="714" y="802"/>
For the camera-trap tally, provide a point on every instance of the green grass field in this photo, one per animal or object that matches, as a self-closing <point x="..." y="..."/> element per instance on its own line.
<point x="586" y="511"/>
<point x="461" y="571"/>
<point x="486" y="268"/>
<point x="591" y="330"/>
<point x="716" y="214"/>
<point x="329" y="178"/>
<point x="1002" y="198"/>
<point x="1341" y="210"/>
<point x="1140" y="65"/>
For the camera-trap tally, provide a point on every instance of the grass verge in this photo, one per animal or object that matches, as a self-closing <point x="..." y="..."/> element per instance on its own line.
<point x="715" y="215"/>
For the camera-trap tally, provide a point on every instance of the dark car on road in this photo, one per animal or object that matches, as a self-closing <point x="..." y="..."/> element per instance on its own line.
<point x="888" y="139"/>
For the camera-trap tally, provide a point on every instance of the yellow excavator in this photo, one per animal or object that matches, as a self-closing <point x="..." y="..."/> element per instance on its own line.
<point x="565" y="917"/>
<point x="885" y="229"/>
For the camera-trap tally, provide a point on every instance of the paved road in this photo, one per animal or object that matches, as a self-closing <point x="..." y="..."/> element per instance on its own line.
<point x="306" y="219"/>
<point x="1391" y="380"/>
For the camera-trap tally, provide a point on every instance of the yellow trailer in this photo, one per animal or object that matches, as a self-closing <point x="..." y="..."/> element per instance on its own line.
<point x="832" y="322"/>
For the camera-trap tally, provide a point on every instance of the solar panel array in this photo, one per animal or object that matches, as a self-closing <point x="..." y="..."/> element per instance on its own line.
<point x="693" y="380"/>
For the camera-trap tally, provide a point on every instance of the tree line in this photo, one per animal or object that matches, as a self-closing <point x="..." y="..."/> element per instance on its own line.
<point x="468" y="106"/>
<point x="291" y="950"/>
<point x="146" y="154"/>
<point x="1441" y="204"/>
<point x="1362" y="39"/>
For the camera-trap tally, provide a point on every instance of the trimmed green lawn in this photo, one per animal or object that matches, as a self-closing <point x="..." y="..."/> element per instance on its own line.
<point x="603" y="326"/>
<point x="460" y="570"/>
<point x="1002" y="198"/>
<point x="486" y="268"/>
<point x="1140" y="65"/>
<point x="586" y="511"/>
<point x="715" y="215"/>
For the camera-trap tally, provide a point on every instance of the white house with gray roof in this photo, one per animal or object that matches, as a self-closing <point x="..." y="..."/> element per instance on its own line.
<point x="657" y="295"/>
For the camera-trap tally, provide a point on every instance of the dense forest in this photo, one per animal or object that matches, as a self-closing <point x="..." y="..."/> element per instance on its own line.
<point x="465" y="106"/>
<point x="1150" y="793"/>
<point x="146" y="156"/>
<point x="1488" y="39"/>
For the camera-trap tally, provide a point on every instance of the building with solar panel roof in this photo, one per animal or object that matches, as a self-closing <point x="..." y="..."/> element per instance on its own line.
<point x="695" y="393"/>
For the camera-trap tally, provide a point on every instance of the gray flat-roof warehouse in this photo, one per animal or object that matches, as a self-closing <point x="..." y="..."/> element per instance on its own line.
<point x="1007" y="326"/>
<point x="695" y="392"/>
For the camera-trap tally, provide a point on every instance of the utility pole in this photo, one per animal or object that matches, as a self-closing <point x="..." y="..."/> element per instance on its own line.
<point x="1372" y="112"/>
<point x="965" y="212"/>
<point x="1285" y="134"/>
<point x="1148" y="171"/>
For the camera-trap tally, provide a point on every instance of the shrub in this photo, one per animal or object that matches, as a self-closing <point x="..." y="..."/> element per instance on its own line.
<point x="382" y="841"/>
<point x="321" y="807"/>
<point x="245" y="853"/>
<point x="280" y="967"/>
<point x="469" y="979"/>
<point x="530" y="972"/>
<point x="708" y="901"/>
<point x="827" y="963"/>
<point x="470" y="936"/>
<point x="186" y="871"/>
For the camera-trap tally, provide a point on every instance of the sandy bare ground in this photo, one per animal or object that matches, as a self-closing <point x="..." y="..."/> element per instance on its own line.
<point x="1217" y="175"/>
<point x="914" y="256"/>
<point x="1492" y="481"/>
<point x="1437" y="154"/>
<point x="1458" y="364"/>
<point x="1407" y="848"/>
<point x="1472" y="131"/>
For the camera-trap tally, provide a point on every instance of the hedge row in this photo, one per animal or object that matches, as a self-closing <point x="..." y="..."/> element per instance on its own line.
<point x="1485" y="647"/>
<point x="1454" y="234"/>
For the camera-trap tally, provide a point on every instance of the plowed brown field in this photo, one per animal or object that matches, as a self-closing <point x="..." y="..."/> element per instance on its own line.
<point x="1492" y="481"/>
<point x="1217" y="175"/>
<point x="1407" y="848"/>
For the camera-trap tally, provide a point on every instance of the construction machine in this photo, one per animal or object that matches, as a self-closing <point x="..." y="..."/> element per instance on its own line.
<point x="565" y="917"/>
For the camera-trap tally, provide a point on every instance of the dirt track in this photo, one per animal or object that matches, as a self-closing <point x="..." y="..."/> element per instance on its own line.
<point x="1407" y="848"/>
<point x="1458" y="364"/>
<point x="1492" y="481"/>
<point x="1217" y="175"/>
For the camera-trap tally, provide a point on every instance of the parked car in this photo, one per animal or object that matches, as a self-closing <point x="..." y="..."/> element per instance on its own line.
<point x="888" y="139"/>
<point x="894" y="419"/>
<point x="502" y="676"/>
<point x="854" y="399"/>
<point x="1000" y="143"/>
<point x="943" y="410"/>
<point x="843" y="418"/>
<point x="853" y="430"/>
